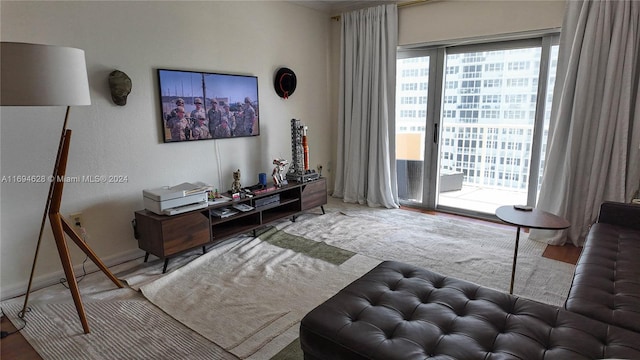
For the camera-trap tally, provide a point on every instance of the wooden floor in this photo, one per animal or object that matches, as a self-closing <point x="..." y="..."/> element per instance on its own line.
<point x="15" y="346"/>
<point x="565" y="253"/>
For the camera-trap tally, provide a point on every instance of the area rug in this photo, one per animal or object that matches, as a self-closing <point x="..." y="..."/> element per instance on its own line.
<point x="120" y="329"/>
<point x="464" y="249"/>
<point x="255" y="289"/>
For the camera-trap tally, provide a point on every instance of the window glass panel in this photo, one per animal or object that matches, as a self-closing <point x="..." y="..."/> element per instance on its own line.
<point x="411" y="114"/>
<point x="490" y="147"/>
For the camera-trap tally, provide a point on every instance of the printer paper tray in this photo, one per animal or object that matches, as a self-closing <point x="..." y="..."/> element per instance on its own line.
<point x="185" y="208"/>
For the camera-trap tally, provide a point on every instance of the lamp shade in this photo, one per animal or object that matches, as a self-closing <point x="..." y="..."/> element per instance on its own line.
<point x="42" y="75"/>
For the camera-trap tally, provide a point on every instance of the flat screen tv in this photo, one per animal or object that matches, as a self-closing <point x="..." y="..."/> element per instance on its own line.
<point x="204" y="106"/>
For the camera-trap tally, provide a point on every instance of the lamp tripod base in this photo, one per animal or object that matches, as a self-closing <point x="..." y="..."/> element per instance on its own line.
<point x="61" y="226"/>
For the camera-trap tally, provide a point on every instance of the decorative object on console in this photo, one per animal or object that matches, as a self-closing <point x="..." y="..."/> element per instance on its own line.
<point x="120" y="86"/>
<point x="299" y="171"/>
<point x="201" y="106"/>
<point x="262" y="179"/>
<point x="278" y="172"/>
<point x="285" y="82"/>
<point x="45" y="75"/>
<point x="236" y="186"/>
<point x="216" y="198"/>
<point x="305" y="148"/>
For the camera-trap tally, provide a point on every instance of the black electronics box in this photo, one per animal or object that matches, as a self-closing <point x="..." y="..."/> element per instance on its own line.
<point x="267" y="200"/>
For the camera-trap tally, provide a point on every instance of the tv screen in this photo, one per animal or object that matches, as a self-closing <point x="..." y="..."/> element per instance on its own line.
<point x="203" y="106"/>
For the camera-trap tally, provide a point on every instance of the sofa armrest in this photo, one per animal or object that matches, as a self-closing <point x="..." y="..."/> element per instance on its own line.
<point x="621" y="214"/>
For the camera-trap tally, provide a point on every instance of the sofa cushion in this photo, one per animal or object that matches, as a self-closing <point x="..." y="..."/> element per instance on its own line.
<point x="606" y="284"/>
<point x="399" y="311"/>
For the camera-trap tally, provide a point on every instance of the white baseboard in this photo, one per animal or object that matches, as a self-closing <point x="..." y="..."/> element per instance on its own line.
<point x="45" y="280"/>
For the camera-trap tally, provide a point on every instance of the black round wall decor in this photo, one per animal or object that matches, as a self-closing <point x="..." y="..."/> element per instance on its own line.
<point x="285" y="82"/>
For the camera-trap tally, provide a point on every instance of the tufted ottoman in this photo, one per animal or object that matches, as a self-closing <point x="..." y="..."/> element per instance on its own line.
<point x="399" y="311"/>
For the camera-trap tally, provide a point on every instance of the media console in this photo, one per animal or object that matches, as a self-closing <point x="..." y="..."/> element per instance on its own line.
<point x="166" y="236"/>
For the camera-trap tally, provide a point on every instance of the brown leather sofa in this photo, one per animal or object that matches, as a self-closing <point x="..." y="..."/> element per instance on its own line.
<point x="606" y="283"/>
<point x="399" y="311"/>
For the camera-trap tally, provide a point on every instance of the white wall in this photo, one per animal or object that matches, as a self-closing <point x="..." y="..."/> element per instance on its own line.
<point x="138" y="37"/>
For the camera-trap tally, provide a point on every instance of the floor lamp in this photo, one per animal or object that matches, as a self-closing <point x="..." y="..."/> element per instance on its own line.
<point x="45" y="75"/>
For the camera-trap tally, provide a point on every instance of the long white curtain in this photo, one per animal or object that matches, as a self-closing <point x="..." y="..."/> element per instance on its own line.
<point x="366" y="167"/>
<point x="594" y="138"/>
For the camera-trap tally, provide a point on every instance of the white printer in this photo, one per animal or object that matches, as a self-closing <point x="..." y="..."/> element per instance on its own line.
<point x="176" y="199"/>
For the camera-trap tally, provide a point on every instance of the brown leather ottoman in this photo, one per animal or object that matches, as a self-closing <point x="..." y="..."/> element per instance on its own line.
<point x="399" y="311"/>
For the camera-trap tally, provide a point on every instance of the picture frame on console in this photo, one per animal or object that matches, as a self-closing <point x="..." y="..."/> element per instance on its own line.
<point x="207" y="105"/>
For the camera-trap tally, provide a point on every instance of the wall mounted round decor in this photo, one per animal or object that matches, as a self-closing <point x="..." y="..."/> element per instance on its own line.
<point x="285" y="82"/>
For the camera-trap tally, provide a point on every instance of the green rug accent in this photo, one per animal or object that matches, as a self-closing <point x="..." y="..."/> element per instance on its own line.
<point x="290" y="352"/>
<point x="314" y="249"/>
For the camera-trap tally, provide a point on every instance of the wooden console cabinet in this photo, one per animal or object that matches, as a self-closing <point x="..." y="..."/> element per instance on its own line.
<point x="165" y="236"/>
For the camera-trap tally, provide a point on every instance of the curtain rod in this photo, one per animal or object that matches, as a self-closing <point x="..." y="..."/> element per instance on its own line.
<point x="400" y="5"/>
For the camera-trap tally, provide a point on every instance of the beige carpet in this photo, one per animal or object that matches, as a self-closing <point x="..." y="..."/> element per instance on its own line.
<point x="247" y="295"/>
<point x="249" y="292"/>
<point x="472" y="251"/>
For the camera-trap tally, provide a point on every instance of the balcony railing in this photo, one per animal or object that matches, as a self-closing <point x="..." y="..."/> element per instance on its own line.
<point x="494" y="160"/>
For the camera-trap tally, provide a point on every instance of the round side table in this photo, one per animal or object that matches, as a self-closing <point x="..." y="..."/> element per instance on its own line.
<point x="534" y="219"/>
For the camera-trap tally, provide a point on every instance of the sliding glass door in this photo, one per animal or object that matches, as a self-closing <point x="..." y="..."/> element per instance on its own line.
<point x="411" y="122"/>
<point x="471" y="124"/>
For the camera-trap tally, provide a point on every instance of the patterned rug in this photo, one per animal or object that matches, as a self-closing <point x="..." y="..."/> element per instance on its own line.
<point x="120" y="329"/>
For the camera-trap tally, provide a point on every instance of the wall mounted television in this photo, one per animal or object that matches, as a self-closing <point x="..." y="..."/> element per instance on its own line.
<point x="204" y="106"/>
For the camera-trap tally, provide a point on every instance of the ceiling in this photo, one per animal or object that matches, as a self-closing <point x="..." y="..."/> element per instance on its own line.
<point x="340" y="6"/>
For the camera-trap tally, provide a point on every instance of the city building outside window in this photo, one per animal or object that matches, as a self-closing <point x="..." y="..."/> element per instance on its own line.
<point x="485" y="121"/>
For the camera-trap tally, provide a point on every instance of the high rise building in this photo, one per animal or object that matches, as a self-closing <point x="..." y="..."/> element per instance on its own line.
<point x="487" y="115"/>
